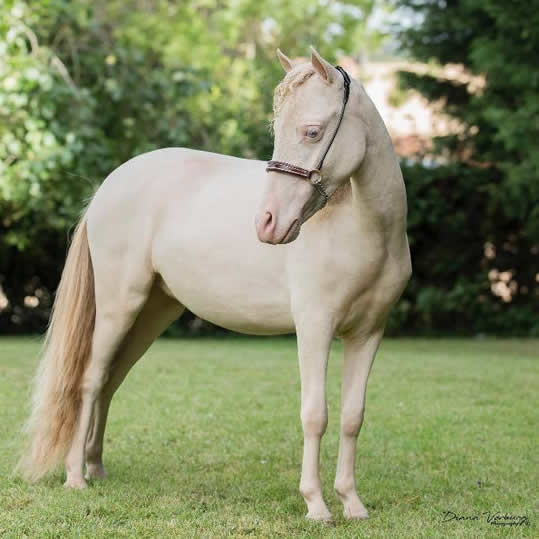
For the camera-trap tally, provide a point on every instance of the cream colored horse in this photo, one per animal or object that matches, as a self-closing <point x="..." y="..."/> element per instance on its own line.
<point x="175" y="228"/>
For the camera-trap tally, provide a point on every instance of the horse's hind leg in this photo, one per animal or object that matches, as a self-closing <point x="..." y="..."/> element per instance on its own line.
<point x="159" y="311"/>
<point x="110" y="329"/>
<point x="117" y="306"/>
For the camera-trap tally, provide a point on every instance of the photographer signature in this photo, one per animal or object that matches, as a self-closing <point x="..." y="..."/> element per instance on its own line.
<point x="495" y="519"/>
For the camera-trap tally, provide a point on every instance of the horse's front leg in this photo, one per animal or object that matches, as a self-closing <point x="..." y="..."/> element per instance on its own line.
<point x="314" y="341"/>
<point x="359" y="354"/>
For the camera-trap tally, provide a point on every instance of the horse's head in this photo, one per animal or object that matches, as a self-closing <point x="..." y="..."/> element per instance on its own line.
<point x="308" y="106"/>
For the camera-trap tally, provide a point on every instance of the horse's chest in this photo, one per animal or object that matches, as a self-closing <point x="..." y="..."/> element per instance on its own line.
<point x="340" y="276"/>
<point x="364" y="302"/>
<point x="361" y="301"/>
<point x="357" y="270"/>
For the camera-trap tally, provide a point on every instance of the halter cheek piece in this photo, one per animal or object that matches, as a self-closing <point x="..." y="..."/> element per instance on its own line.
<point x="315" y="175"/>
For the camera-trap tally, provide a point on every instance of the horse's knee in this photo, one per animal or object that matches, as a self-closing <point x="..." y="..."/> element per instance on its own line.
<point x="351" y="422"/>
<point x="314" y="420"/>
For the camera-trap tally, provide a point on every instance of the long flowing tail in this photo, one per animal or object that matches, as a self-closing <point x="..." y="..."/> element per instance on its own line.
<point x="66" y="351"/>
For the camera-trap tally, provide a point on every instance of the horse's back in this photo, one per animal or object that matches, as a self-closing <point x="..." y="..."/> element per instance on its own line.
<point x="145" y="189"/>
<point x="179" y="170"/>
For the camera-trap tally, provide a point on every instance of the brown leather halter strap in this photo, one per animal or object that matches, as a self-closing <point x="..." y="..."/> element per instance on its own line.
<point x="315" y="175"/>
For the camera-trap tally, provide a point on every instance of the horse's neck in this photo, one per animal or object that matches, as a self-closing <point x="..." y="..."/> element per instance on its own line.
<point x="377" y="186"/>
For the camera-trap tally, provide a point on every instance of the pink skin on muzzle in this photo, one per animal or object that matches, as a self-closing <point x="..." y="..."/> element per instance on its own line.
<point x="287" y="203"/>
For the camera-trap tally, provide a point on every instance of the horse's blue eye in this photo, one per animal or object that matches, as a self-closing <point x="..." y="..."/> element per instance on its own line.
<point x="313" y="132"/>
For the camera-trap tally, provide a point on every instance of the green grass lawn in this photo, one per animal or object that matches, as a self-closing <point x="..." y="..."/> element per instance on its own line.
<point x="204" y="440"/>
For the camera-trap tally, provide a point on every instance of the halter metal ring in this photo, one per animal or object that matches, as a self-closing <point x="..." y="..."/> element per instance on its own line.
<point x="315" y="176"/>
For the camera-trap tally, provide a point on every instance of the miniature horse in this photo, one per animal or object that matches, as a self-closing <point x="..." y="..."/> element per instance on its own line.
<point x="177" y="228"/>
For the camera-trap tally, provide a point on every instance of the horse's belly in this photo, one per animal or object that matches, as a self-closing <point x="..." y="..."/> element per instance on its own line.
<point x="227" y="277"/>
<point x="236" y="308"/>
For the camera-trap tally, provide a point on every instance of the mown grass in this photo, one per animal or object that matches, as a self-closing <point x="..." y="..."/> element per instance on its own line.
<point x="204" y="440"/>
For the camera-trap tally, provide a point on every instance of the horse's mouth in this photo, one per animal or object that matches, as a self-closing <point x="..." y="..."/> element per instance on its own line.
<point x="292" y="232"/>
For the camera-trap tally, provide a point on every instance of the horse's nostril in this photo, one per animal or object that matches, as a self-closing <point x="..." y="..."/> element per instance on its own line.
<point x="265" y="226"/>
<point x="268" y="219"/>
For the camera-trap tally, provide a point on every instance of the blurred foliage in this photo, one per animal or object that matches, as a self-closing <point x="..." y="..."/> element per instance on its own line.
<point x="87" y="84"/>
<point x="474" y="216"/>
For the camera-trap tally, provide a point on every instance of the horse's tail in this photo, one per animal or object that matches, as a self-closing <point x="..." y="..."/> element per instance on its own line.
<point x="66" y="351"/>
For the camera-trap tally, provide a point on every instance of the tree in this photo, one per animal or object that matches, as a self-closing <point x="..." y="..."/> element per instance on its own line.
<point x="474" y="217"/>
<point x="72" y="108"/>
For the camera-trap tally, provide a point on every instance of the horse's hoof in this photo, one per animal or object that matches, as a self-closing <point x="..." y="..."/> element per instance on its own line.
<point x="325" y="517"/>
<point x="79" y="483"/>
<point x="95" y="471"/>
<point x="355" y="513"/>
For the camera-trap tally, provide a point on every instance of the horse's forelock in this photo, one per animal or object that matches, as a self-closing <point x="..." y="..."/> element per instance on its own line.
<point x="298" y="76"/>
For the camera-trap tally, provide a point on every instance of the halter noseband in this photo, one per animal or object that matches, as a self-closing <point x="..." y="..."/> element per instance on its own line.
<point x="315" y="175"/>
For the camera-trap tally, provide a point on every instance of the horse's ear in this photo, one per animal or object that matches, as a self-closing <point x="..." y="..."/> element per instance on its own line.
<point x="321" y="66"/>
<point x="285" y="61"/>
